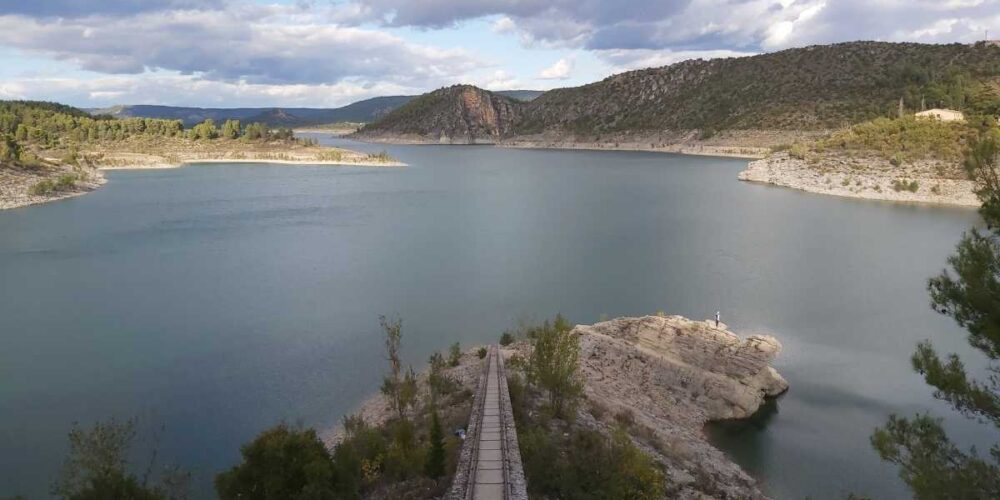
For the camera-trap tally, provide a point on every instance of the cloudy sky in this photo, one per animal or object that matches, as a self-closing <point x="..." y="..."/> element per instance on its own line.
<point x="321" y="53"/>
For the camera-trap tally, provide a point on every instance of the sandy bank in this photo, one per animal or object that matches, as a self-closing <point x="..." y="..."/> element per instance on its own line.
<point x="748" y="152"/>
<point x="155" y="166"/>
<point x="16" y="182"/>
<point x="866" y="178"/>
<point x="15" y="186"/>
<point x="750" y="144"/>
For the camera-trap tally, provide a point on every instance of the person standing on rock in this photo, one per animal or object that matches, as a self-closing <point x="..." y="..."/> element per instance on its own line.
<point x="718" y="317"/>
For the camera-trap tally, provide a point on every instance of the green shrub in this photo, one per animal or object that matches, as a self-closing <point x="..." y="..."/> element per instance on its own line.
<point x="902" y="139"/>
<point x="71" y="157"/>
<point x="66" y="181"/>
<point x="42" y="188"/>
<point x="798" y="151"/>
<point x="280" y="463"/>
<point x="381" y="157"/>
<point x="455" y="354"/>
<point x="481" y="352"/>
<point x="584" y="463"/>
<point x="553" y="365"/>
<point x="506" y="339"/>
<point x="98" y="467"/>
<point x="904" y="185"/>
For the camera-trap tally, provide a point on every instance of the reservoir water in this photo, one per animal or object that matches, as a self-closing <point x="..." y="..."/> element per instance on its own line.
<point x="212" y="301"/>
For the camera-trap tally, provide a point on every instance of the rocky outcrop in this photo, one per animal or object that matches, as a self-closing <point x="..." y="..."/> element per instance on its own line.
<point x="461" y="114"/>
<point x="671" y="375"/>
<point x="689" y="371"/>
<point x="872" y="178"/>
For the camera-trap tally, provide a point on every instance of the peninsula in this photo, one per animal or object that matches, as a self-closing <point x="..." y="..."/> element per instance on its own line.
<point x="652" y="382"/>
<point x="50" y="151"/>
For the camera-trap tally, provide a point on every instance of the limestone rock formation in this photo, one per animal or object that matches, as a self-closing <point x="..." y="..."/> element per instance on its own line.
<point x="672" y="375"/>
<point x="673" y="364"/>
<point x="461" y="114"/>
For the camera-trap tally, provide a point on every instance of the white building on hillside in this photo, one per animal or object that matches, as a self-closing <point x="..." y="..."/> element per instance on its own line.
<point x="945" y="115"/>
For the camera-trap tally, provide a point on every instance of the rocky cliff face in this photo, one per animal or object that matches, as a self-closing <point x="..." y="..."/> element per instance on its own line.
<point x="461" y="114"/>
<point x="672" y="375"/>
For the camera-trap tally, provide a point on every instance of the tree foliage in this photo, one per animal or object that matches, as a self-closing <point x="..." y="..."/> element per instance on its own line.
<point x="98" y="468"/>
<point x="434" y="466"/>
<point x="553" y="364"/>
<point x="400" y="388"/>
<point x="969" y="293"/>
<point x="281" y="463"/>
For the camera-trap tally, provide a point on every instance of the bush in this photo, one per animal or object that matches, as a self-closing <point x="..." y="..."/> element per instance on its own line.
<point x="42" y="187"/>
<point x="506" y="339"/>
<point x="481" y="352"/>
<point x="553" y="365"/>
<point x="903" y="139"/>
<point x="280" y="463"/>
<point x="97" y="467"/>
<point x="904" y="185"/>
<point x="66" y="181"/>
<point x="455" y="354"/>
<point x="586" y="464"/>
<point x="798" y="151"/>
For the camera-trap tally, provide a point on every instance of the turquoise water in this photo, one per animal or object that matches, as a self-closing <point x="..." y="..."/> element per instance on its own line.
<point x="216" y="300"/>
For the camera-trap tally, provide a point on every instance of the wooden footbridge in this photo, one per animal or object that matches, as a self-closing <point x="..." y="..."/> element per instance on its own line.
<point x="489" y="466"/>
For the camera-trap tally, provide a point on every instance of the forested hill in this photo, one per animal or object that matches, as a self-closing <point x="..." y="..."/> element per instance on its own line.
<point x="358" y="112"/>
<point x="810" y="88"/>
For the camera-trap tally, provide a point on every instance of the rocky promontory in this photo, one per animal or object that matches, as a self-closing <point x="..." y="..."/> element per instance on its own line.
<point x="671" y="375"/>
<point x="664" y="378"/>
<point x="460" y="114"/>
<point x="871" y="178"/>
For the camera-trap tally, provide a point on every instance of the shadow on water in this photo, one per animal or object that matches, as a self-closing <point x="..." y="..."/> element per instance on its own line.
<point x="742" y="439"/>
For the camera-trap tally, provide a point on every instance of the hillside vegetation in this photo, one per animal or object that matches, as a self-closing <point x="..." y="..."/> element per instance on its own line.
<point x="818" y="88"/>
<point x="902" y="139"/>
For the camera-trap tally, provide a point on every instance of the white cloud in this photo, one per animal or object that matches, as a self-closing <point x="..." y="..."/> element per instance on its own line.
<point x="504" y="25"/>
<point x="498" y="80"/>
<point x="620" y="60"/>
<point x="164" y="88"/>
<point x="259" y="44"/>
<point x="688" y="25"/>
<point x="559" y="71"/>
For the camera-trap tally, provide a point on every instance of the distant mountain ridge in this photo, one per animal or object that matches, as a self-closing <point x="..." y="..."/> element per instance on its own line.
<point x="363" y="111"/>
<point x="804" y="89"/>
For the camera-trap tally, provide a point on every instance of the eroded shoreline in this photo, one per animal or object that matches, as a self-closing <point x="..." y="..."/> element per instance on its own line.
<point x="876" y="180"/>
<point x="16" y="184"/>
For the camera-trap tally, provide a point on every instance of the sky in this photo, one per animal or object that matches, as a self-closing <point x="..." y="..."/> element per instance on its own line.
<point x="322" y="53"/>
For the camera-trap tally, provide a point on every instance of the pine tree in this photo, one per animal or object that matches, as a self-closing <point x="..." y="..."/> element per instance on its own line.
<point x="434" y="466"/>
<point x="930" y="464"/>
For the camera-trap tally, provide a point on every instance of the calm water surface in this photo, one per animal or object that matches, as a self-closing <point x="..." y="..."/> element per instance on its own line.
<point x="216" y="300"/>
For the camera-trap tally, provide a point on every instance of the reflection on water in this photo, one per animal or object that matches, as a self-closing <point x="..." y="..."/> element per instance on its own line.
<point x="744" y="440"/>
